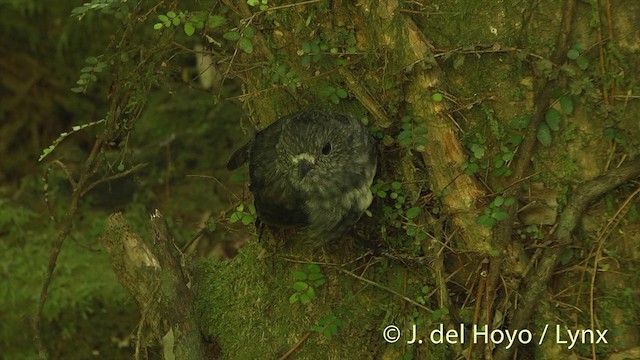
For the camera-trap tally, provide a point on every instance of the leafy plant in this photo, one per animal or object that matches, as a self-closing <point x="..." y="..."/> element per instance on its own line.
<point x="412" y="133"/>
<point x="495" y="211"/>
<point x="399" y="214"/>
<point x="88" y="74"/>
<point x="242" y="37"/>
<point x="118" y="8"/>
<point x="190" y="21"/>
<point x="245" y="216"/>
<point x="333" y="94"/>
<point x="306" y="280"/>
<point x="281" y="74"/>
<point x="64" y="135"/>
<point x="328" y="326"/>
<point x="553" y="116"/>
<point x="261" y="4"/>
<point x="312" y="51"/>
<point x="576" y="54"/>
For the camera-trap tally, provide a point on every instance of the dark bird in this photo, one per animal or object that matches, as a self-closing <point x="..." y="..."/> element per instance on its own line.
<point x="311" y="170"/>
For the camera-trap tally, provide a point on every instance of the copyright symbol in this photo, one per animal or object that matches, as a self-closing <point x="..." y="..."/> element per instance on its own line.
<point x="391" y="334"/>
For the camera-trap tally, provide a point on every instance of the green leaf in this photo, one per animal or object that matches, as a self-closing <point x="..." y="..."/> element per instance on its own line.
<point x="342" y="93"/>
<point x="247" y="219"/>
<point x="249" y="32"/>
<point x="163" y="18"/>
<point x="439" y="313"/>
<point x="515" y="139"/>
<point x="471" y="169"/>
<point x="396" y="185"/>
<point x="299" y="275"/>
<point x="300" y="286"/>
<point x="294" y="298"/>
<point x="306" y="47"/>
<point x="334" y="98"/>
<point x="579" y="47"/>
<point x="520" y="122"/>
<point x="437" y="97"/>
<point x="566" y="104"/>
<point x="544" y="135"/>
<point x="216" y="21"/>
<point x="231" y="35"/>
<point x="316" y="276"/>
<point x="405" y="142"/>
<point x="478" y="151"/>
<point x="419" y="130"/>
<point x="573" y="54"/>
<point x="413" y="212"/>
<point x="175" y="21"/>
<point x="583" y="62"/>
<point x="235" y="217"/>
<point x="327" y="91"/>
<point x="246" y="45"/>
<point x="499" y="200"/>
<point x="189" y="29"/>
<point x="312" y="268"/>
<point x="486" y="221"/>
<point x="499" y="215"/>
<point x="171" y="14"/>
<point x="552" y="117"/>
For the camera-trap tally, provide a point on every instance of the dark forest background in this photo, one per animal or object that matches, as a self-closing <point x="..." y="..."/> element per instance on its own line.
<point x="507" y="194"/>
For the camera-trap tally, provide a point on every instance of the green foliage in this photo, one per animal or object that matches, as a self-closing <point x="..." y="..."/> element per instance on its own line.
<point x="312" y="51"/>
<point x="281" y="74"/>
<point x="261" y="4"/>
<point x="499" y="161"/>
<point x="328" y="326"/>
<point x="119" y="8"/>
<point x="246" y="217"/>
<point x="88" y="74"/>
<point x="64" y="135"/>
<point x="412" y="135"/>
<point x="440" y="314"/>
<point x="82" y="291"/>
<point x="333" y="94"/>
<point x="495" y="211"/>
<point x="14" y="219"/>
<point x="243" y="38"/>
<point x="398" y="213"/>
<point x="611" y="134"/>
<point x="576" y="54"/>
<point x="306" y="280"/>
<point x="531" y="232"/>
<point x="190" y="21"/>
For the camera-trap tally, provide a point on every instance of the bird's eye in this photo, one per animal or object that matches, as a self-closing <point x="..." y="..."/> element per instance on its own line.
<point x="326" y="149"/>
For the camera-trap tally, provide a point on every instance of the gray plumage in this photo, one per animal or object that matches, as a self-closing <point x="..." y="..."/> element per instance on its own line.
<point x="312" y="170"/>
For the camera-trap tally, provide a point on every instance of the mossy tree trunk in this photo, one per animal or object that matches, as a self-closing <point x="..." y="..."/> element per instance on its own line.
<point x="465" y="270"/>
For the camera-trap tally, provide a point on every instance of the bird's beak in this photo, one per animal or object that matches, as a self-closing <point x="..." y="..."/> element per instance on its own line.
<point x="303" y="168"/>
